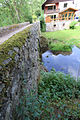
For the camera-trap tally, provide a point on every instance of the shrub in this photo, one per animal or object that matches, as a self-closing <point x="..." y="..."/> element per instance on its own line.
<point x="79" y="19"/>
<point x="34" y="18"/>
<point x="57" y="99"/>
<point x="42" y="24"/>
<point x="60" y="47"/>
<point x="72" y="25"/>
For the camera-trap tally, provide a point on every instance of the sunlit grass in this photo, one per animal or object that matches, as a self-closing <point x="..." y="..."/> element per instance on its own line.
<point x="65" y="39"/>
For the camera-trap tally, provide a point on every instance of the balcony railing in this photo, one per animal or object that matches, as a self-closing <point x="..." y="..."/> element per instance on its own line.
<point x="52" y="11"/>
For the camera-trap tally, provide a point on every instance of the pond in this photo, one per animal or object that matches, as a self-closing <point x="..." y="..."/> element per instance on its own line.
<point x="68" y="63"/>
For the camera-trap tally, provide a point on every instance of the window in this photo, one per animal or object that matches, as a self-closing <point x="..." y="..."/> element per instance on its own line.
<point x="65" y="15"/>
<point x="54" y="25"/>
<point x="65" y="5"/>
<point x="54" y="16"/>
<point x="51" y="16"/>
<point x="50" y="7"/>
<point x="63" y="24"/>
<point x="54" y="7"/>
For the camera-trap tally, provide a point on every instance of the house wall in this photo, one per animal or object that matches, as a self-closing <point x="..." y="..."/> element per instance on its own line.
<point x="77" y="4"/>
<point x="69" y="4"/>
<point x="57" y="6"/>
<point x="47" y="16"/>
<point x="46" y="8"/>
<point x="57" y="25"/>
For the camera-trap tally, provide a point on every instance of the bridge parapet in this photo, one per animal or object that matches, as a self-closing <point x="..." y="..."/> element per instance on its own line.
<point x="8" y="29"/>
<point x="18" y="61"/>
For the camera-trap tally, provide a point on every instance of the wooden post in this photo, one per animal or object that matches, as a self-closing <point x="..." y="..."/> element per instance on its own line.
<point x="67" y="15"/>
<point x="73" y="15"/>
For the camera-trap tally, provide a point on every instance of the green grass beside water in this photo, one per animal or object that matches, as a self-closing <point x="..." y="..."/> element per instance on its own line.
<point x="63" y="40"/>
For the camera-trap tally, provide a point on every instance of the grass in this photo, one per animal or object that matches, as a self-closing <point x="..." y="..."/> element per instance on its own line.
<point x="63" y="40"/>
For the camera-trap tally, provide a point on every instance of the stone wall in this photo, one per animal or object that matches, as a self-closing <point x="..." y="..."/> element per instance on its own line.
<point x="8" y="29"/>
<point x="58" y="25"/>
<point x="19" y="62"/>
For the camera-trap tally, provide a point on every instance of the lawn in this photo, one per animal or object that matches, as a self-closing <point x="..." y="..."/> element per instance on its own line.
<point x="63" y="40"/>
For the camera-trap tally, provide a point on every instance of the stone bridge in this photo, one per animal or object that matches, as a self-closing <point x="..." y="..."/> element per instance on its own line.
<point x="18" y="60"/>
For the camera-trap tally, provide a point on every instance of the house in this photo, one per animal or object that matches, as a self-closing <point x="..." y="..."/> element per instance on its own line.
<point x="77" y="5"/>
<point x="58" y="10"/>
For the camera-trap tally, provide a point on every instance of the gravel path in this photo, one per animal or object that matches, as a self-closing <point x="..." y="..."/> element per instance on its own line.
<point x="6" y="37"/>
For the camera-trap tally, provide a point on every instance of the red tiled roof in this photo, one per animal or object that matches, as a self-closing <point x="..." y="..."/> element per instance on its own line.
<point x="53" y="1"/>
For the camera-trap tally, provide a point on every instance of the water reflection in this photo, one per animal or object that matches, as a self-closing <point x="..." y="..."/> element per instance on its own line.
<point x="67" y="63"/>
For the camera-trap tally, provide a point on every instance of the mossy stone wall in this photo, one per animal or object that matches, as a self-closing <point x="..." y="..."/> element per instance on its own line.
<point x="18" y="61"/>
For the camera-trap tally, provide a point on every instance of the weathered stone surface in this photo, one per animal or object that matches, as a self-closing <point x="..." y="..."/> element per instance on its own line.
<point x="0" y="67"/>
<point x="7" y="61"/>
<point x="58" y="25"/>
<point x="1" y="87"/>
<point x="11" y="28"/>
<point x="43" y="44"/>
<point x="26" y="66"/>
<point x="16" y="58"/>
<point x="16" y="49"/>
<point x="10" y="52"/>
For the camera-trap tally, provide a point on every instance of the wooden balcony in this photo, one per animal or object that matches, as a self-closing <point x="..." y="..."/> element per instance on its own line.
<point x="52" y="11"/>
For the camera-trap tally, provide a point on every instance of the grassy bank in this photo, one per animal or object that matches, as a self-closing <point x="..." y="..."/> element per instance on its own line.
<point x="63" y="40"/>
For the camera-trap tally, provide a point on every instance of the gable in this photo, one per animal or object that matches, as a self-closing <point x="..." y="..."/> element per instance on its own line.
<point x="53" y="1"/>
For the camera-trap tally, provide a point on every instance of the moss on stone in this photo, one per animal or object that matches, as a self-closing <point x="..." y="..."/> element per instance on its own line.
<point x="14" y="26"/>
<point x="17" y="40"/>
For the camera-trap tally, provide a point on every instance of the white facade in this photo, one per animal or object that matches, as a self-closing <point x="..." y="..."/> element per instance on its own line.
<point x="77" y="4"/>
<point x="69" y="4"/>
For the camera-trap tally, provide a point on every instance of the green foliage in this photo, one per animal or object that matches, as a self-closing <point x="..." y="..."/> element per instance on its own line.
<point x="38" y="13"/>
<point x="42" y="23"/>
<point x="58" y="99"/>
<point x="60" y="85"/>
<point x="72" y="25"/>
<point x="34" y="18"/>
<point x="60" y="47"/>
<point x="17" y="11"/>
<point x="79" y="19"/>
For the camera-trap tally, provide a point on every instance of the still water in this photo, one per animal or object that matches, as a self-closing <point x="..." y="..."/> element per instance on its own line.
<point x="68" y="63"/>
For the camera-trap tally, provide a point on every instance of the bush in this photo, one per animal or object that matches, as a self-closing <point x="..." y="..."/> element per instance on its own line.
<point x="72" y="25"/>
<point x="60" y="47"/>
<point x="79" y="19"/>
<point x="34" y="18"/>
<point x="58" y="99"/>
<point x="42" y="24"/>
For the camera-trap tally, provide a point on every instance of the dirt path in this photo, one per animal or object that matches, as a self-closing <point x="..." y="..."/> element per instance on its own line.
<point x="6" y="37"/>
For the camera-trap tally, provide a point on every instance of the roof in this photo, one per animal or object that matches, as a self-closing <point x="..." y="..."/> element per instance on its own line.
<point x="68" y="9"/>
<point x="53" y="1"/>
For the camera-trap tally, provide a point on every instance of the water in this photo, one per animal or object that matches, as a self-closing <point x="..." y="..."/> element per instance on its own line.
<point x="68" y="63"/>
